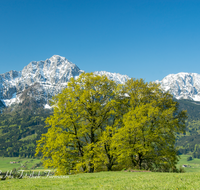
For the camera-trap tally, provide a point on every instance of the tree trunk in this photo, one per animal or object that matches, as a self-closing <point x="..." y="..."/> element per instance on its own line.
<point x="91" y="168"/>
<point x="140" y="161"/>
<point x="109" y="166"/>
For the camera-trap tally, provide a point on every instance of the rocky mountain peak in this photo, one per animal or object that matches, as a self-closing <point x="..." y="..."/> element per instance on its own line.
<point x="57" y="58"/>
<point x="120" y="79"/>
<point x="182" y="85"/>
<point x="42" y="80"/>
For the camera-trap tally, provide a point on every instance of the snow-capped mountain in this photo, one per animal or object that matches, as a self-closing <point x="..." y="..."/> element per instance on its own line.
<point x="182" y="85"/>
<point x="47" y="77"/>
<point x="120" y="79"/>
<point x="44" y="79"/>
<point x="52" y="75"/>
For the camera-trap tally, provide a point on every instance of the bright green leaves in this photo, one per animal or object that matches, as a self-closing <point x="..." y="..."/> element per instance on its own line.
<point x="147" y="138"/>
<point x="81" y="114"/>
<point x="98" y="125"/>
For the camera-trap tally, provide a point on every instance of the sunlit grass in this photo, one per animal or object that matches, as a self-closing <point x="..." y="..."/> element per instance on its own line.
<point x="5" y="164"/>
<point x="109" y="180"/>
<point x="195" y="164"/>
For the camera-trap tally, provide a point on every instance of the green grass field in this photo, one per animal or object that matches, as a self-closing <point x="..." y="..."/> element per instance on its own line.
<point x="5" y="164"/>
<point x="27" y="163"/>
<point x="109" y="180"/>
<point x="106" y="180"/>
<point x="195" y="164"/>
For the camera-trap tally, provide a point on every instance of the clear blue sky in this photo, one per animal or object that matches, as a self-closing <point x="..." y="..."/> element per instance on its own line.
<point x="140" y="38"/>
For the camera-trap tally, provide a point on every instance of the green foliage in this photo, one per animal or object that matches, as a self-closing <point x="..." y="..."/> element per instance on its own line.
<point x="189" y="142"/>
<point x="100" y="125"/>
<point x="189" y="158"/>
<point x="147" y="138"/>
<point x="192" y="107"/>
<point x="20" y="126"/>
<point x="82" y="124"/>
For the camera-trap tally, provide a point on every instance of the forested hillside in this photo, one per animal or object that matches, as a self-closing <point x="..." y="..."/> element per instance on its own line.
<point x="190" y="141"/>
<point x="20" y="126"/>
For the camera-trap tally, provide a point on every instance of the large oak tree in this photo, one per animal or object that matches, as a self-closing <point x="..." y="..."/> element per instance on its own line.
<point x="98" y="124"/>
<point x="85" y="112"/>
<point x="147" y="138"/>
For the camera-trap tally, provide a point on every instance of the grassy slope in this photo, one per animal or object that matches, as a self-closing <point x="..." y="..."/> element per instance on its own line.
<point x="195" y="164"/>
<point x="109" y="180"/>
<point x="5" y="163"/>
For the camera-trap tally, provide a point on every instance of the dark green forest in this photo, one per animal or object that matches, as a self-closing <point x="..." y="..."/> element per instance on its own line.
<point x="189" y="143"/>
<point x="22" y="125"/>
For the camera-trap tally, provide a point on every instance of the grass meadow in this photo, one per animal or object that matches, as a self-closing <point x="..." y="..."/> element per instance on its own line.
<point x="194" y="164"/>
<point x="107" y="180"/>
<point x="27" y="163"/>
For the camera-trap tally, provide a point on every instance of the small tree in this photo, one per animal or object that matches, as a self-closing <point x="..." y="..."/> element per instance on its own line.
<point x="189" y="158"/>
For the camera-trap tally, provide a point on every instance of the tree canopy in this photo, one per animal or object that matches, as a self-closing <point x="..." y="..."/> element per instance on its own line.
<point x="100" y="125"/>
<point x="147" y="138"/>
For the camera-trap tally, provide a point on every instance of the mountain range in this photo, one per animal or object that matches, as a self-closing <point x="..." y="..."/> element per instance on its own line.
<point x="44" y="79"/>
<point x="22" y="124"/>
<point x="182" y="85"/>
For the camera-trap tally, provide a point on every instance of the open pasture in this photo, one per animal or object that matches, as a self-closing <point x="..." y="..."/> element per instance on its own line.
<point x="109" y="180"/>
<point x="8" y="163"/>
<point x="193" y="165"/>
<point x="106" y="180"/>
<point x="5" y="164"/>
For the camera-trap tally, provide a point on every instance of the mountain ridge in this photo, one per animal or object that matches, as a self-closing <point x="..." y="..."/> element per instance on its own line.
<point x="53" y="74"/>
<point x="182" y="85"/>
<point x="31" y="88"/>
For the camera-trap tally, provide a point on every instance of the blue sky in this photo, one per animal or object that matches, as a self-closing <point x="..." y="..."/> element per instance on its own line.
<point x="140" y="38"/>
